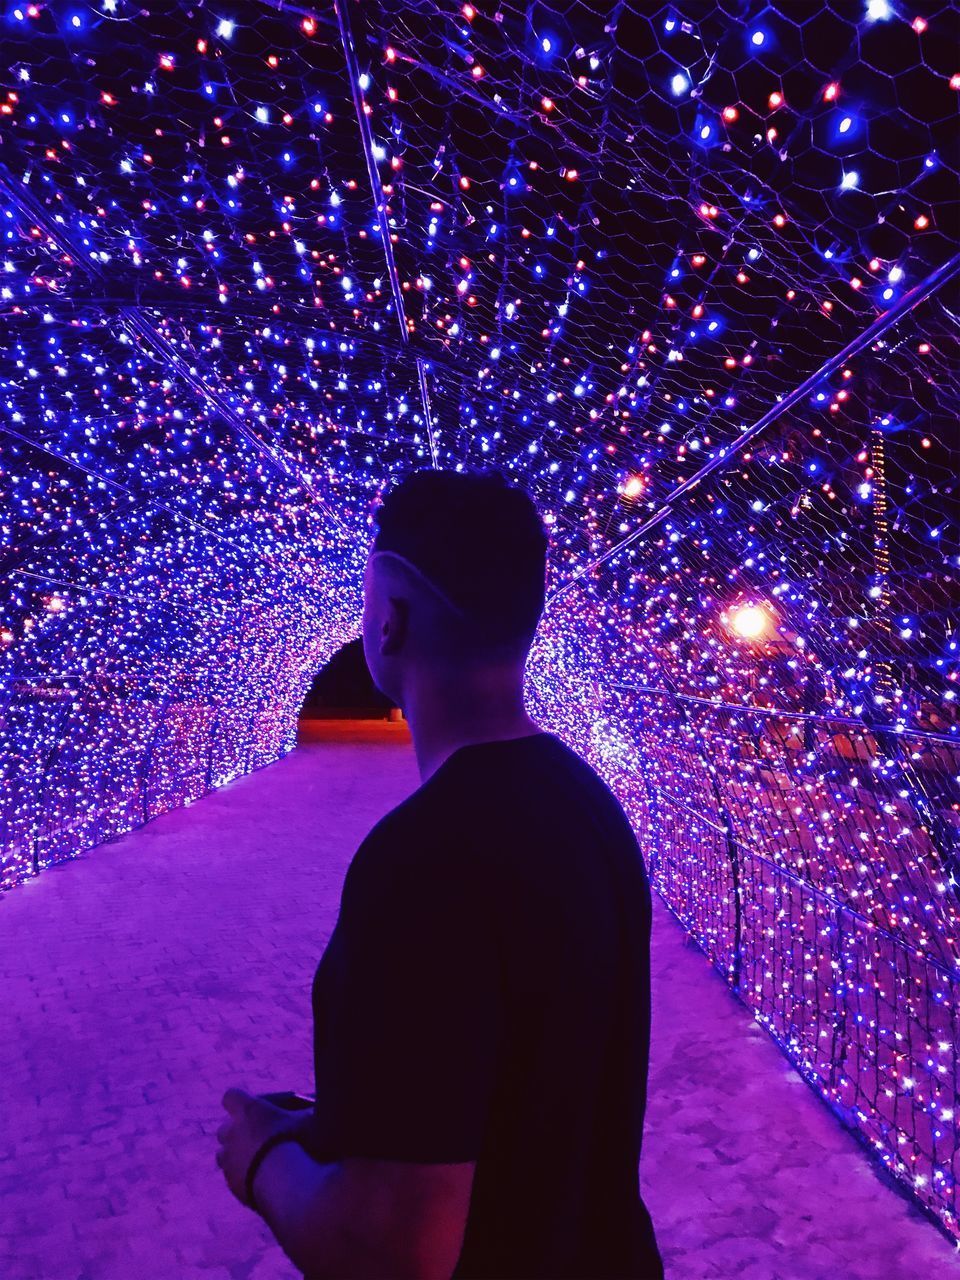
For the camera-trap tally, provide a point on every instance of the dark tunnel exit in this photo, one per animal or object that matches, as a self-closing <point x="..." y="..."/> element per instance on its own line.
<point x="344" y="689"/>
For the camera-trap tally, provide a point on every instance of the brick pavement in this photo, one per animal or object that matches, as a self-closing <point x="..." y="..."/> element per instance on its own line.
<point x="176" y="961"/>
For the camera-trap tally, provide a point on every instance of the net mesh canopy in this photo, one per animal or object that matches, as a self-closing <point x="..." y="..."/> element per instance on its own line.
<point x="686" y="274"/>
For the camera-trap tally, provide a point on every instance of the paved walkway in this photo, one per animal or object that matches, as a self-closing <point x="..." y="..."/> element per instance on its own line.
<point x="141" y="980"/>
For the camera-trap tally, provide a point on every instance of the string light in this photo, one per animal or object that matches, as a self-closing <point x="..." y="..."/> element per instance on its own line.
<point x="232" y="319"/>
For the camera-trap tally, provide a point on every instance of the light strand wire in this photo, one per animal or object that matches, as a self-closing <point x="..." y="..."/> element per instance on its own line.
<point x="380" y="207"/>
<point x="934" y="281"/>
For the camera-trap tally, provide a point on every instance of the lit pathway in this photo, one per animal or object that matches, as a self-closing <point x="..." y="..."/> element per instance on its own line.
<point x="139" y="982"/>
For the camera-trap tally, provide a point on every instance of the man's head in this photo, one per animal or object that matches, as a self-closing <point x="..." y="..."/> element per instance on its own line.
<point x="455" y="578"/>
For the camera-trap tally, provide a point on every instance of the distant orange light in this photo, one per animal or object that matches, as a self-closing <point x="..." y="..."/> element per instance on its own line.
<point x="749" y="621"/>
<point x="633" y="487"/>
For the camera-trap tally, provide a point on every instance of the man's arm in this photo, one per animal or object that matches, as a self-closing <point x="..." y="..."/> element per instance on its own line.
<point x="365" y="1218"/>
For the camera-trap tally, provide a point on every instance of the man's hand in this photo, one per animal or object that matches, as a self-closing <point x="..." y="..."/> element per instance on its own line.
<point x="249" y="1123"/>
<point x="355" y="1217"/>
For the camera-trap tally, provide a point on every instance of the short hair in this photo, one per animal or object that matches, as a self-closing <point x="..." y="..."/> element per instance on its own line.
<point x="480" y="540"/>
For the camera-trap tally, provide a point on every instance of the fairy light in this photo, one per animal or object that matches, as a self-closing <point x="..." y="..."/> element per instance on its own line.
<point x="189" y="484"/>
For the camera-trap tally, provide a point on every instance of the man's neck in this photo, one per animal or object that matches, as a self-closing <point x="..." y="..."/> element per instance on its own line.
<point x="445" y="717"/>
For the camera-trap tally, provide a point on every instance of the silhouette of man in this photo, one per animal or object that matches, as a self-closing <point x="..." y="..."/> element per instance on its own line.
<point x="482" y="1010"/>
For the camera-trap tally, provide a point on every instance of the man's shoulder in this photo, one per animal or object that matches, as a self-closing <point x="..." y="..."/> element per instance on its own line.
<point x="411" y="817"/>
<point x="410" y="837"/>
<point x="410" y="865"/>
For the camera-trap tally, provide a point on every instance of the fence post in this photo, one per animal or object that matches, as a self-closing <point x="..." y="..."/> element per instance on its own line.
<point x="733" y="856"/>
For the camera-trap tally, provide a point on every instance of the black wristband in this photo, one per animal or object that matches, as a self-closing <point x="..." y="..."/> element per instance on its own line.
<point x="261" y="1153"/>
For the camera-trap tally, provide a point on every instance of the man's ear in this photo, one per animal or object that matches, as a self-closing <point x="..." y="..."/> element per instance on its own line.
<point x="396" y="625"/>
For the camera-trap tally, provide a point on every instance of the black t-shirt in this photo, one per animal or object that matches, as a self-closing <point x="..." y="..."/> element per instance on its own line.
<point x="486" y="996"/>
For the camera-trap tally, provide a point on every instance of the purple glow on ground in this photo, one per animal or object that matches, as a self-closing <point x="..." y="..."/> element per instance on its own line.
<point x="148" y="975"/>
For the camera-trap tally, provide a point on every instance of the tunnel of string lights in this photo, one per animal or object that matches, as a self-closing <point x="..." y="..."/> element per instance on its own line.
<point x="684" y="272"/>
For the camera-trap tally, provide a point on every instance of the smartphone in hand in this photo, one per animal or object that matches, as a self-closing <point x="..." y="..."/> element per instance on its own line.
<point x="289" y="1101"/>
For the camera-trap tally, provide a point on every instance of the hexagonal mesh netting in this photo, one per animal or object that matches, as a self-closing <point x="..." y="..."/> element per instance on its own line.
<point x="684" y="272"/>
